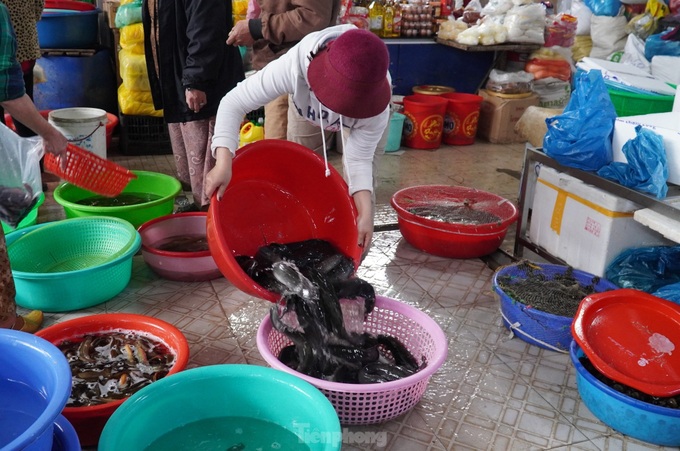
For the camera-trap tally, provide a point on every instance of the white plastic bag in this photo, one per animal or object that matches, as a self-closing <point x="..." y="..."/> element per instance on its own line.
<point x="20" y="179"/>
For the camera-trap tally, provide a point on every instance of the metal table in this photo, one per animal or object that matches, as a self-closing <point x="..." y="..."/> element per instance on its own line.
<point x="528" y="179"/>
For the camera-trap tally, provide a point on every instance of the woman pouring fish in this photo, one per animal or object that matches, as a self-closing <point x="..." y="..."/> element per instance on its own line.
<point x="338" y="80"/>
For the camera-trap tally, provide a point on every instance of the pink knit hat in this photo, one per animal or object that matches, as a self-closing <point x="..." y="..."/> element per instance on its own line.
<point x="350" y="75"/>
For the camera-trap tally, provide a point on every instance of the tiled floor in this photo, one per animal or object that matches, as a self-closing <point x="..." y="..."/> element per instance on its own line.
<point x="494" y="392"/>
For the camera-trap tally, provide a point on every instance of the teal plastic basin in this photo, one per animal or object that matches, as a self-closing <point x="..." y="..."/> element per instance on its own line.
<point x="223" y="391"/>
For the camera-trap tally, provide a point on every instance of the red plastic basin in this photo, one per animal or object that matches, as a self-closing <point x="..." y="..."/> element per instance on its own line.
<point x="278" y="194"/>
<point x="632" y="337"/>
<point x="69" y="4"/>
<point x="452" y="240"/>
<point x="111" y="123"/>
<point x="89" y="421"/>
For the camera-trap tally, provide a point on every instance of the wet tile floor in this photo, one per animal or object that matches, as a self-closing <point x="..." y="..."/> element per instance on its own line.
<point x="494" y="392"/>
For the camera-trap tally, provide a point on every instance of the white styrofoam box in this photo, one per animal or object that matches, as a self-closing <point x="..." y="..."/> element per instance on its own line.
<point x="668" y="227"/>
<point x="542" y="229"/>
<point x="583" y="225"/>
<point x="665" y="124"/>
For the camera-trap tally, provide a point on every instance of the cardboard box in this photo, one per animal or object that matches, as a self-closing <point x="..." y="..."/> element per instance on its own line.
<point x="498" y="116"/>
<point x="665" y="124"/>
<point x="110" y="9"/>
<point x="584" y="226"/>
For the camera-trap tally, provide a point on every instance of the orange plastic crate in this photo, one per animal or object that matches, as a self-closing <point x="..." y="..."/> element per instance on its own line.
<point x="86" y="170"/>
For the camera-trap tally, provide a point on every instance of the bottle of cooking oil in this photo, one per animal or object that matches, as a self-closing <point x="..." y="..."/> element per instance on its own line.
<point x="376" y="13"/>
<point x="396" y="23"/>
<point x="388" y="19"/>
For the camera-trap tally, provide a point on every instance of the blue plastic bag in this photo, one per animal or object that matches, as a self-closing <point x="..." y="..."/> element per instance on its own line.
<point x="645" y="268"/>
<point x="655" y="46"/>
<point x="604" y="7"/>
<point x="581" y="136"/>
<point x="647" y="167"/>
<point x="670" y="292"/>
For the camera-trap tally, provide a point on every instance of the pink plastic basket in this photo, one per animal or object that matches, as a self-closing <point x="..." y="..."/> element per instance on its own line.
<point x="364" y="404"/>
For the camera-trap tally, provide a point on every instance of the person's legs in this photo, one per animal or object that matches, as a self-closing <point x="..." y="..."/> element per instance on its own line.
<point x="8" y="307"/>
<point x="191" y="148"/>
<point x="276" y="118"/>
<point x="180" y="154"/>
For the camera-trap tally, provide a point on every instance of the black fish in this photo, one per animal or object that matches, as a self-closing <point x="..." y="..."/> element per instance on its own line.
<point x="356" y="288"/>
<point x="402" y="356"/>
<point x="374" y="373"/>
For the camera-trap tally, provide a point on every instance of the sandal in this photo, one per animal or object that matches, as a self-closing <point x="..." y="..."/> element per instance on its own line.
<point x="29" y="323"/>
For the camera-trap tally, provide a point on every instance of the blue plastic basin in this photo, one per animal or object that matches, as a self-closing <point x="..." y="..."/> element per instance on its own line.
<point x="68" y="29"/>
<point x="640" y="420"/>
<point x="35" y="383"/>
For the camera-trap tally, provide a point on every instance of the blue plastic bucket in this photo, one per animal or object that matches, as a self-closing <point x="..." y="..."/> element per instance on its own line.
<point x="68" y="29"/>
<point x="629" y="416"/>
<point x="35" y="383"/>
<point x="65" y="436"/>
<point x="395" y="130"/>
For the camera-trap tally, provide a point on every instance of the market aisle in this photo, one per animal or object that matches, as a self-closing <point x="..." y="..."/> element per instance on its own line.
<point x="494" y="392"/>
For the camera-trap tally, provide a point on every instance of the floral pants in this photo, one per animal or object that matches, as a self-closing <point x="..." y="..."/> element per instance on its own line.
<point x="193" y="158"/>
<point x="8" y="306"/>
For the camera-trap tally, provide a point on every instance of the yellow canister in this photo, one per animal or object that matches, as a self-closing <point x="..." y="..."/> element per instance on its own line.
<point x="250" y="133"/>
<point x="432" y="90"/>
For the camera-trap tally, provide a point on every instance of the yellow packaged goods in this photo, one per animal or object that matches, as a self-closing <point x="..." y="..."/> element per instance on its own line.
<point x="137" y="83"/>
<point x="131" y="64"/>
<point x="136" y="103"/>
<point x="132" y="38"/>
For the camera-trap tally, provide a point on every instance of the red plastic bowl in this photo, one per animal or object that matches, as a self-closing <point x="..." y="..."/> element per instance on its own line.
<point x="632" y="337"/>
<point x="452" y="240"/>
<point x="111" y="123"/>
<point x="89" y="421"/>
<point x="182" y="266"/>
<point x="278" y="194"/>
<point x="69" y="4"/>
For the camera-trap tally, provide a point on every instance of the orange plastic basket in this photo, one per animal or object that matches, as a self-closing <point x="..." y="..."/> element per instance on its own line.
<point x="86" y="170"/>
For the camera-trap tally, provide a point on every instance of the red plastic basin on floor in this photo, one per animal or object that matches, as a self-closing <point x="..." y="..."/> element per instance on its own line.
<point x="450" y="239"/>
<point x="278" y="194"/>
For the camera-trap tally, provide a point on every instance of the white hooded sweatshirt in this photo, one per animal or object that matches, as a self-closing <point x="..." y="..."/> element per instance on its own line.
<point x="288" y="75"/>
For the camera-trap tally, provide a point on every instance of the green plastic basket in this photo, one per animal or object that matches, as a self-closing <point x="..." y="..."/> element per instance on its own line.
<point x="632" y="104"/>
<point x="79" y="288"/>
<point x="72" y="245"/>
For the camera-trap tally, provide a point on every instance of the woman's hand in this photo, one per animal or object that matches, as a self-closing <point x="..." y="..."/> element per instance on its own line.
<point x="240" y="35"/>
<point x="55" y="143"/>
<point x="217" y="180"/>
<point x="195" y="99"/>
<point x="364" y="203"/>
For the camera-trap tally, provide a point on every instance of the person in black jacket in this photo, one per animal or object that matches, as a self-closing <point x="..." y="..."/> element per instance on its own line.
<point x="190" y="68"/>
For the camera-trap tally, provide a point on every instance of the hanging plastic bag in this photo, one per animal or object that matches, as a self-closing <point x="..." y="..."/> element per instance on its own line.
<point x="646" y="168"/>
<point x="581" y="136"/>
<point x="20" y="179"/>
<point x="645" y="268"/>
